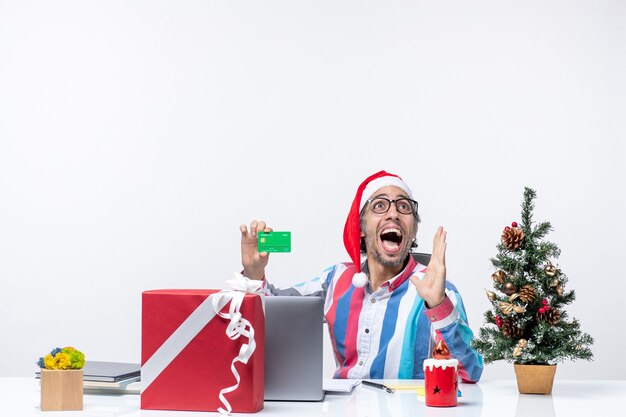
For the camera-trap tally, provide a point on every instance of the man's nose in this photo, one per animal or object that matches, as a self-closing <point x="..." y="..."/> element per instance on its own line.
<point x="393" y="211"/>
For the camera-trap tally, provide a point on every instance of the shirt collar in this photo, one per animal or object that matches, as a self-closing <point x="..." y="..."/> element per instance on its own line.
<point x="396" y="281"/>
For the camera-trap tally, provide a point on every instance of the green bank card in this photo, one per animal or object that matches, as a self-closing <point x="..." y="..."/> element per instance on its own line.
<point x="275" y="242"/>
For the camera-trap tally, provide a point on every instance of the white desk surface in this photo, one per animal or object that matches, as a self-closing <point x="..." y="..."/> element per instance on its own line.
<point x="20" y="397"/>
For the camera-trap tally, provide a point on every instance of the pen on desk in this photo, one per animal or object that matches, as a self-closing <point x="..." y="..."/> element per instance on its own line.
<point x="379" y="386"/>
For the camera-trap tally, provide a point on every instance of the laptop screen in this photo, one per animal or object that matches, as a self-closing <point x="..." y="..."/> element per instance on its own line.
<point x="294" y="348"/>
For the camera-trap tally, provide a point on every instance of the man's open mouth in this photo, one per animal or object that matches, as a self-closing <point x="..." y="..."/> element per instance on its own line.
<point x="391" y="238"/>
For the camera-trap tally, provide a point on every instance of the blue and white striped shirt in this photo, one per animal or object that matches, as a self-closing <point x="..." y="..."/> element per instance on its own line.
<point x="389" y="332"/>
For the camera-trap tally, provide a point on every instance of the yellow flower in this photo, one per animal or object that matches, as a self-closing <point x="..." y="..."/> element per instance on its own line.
<point x="62" y="361"/>
<point x="48" y="361"/>
<point x="66" y="358"/>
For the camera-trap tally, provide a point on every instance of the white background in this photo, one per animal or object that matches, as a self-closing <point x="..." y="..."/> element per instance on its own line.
<point x="136" y="136"/>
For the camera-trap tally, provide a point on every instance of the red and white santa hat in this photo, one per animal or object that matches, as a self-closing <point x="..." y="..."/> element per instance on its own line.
<point x="352" y="229"/>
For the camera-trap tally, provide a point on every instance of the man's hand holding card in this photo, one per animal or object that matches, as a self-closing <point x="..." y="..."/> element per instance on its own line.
<point x="253" y="262"/>
<point x="257" y="243"/>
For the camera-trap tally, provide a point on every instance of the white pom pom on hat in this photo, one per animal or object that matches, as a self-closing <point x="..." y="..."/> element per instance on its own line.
<point x="359" y="280"/>
<point x="352" y="229"/>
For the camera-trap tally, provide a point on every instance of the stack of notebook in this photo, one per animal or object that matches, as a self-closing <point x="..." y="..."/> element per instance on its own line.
<point x="110" y="377"/>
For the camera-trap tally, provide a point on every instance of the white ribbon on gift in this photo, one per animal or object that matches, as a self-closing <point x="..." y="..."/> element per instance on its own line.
<point x="237" y="327"/>
<point x="203" y="314"/>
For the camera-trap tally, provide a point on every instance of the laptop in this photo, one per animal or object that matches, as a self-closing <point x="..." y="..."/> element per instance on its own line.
<point x="294" y="348"/>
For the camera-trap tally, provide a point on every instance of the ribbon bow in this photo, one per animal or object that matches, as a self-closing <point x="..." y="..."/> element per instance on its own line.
<point x="237" y="327"/>
<point x="241" y="283"/>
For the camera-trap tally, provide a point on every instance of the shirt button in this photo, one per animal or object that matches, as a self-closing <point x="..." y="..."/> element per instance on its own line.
<point x="360" y="363"/>
<point x="373" y="300"/>
<point x="433" y="318"/>
<point x="367" y="330"/>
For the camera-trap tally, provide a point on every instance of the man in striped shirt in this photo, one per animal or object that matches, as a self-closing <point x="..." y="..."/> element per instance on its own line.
<point x="385" y="314"/>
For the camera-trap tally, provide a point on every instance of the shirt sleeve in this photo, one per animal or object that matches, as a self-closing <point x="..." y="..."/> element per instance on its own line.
<point x="317" y="287"/>
<point x="449" y="321"/>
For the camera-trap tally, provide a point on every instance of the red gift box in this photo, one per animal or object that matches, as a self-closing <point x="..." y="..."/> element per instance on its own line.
<point x="186" y="354"/>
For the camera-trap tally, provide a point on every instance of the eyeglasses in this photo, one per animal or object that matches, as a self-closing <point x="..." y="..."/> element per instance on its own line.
<point x="381" y="205"/>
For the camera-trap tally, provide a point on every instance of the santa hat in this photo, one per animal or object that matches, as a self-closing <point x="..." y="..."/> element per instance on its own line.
<point x="352" y="229"/>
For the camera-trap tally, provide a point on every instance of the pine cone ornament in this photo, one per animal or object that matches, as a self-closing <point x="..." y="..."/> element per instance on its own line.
<point x="510" y="330"/>
<point x="512" y="237"/>
<point x="527" y="294"/>
<point x="551" y="316"/>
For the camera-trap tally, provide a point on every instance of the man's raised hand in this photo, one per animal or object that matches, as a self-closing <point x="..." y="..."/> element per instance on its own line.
<point x="253" y="262"/>
<point x="432" y="288"/>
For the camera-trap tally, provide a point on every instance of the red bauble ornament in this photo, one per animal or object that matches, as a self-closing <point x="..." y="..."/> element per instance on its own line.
<point x="544" y="302"/>
<point x="507" y="228"/>
<point x="498" y="321"/>
<point x="514" y="224"/>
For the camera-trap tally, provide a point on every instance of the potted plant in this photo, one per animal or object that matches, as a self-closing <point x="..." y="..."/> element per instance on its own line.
<point x="62" y="379"/>
<point x="527" y="323"/>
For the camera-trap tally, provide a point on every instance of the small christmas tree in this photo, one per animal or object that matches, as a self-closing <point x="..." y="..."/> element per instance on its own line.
<point x="530" y="325"/>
